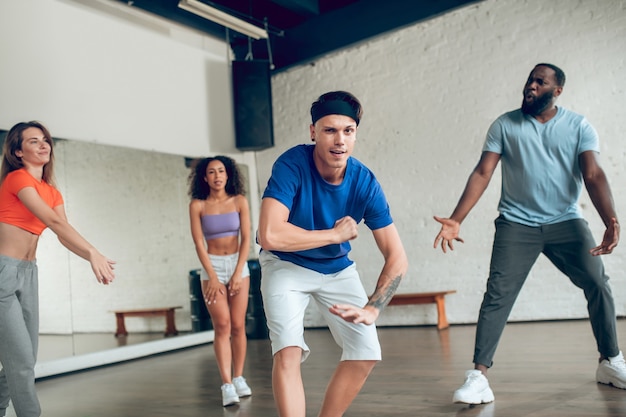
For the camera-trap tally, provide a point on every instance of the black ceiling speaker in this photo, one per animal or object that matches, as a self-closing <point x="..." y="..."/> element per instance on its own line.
<point x="252" y="98"/>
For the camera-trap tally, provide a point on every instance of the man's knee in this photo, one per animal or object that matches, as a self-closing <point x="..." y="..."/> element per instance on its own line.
<point x="288" y="357"/>
<point x="360" y="368"/>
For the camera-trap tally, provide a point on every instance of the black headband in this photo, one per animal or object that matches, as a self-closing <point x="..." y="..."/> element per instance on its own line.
<point x="325" y="108"/>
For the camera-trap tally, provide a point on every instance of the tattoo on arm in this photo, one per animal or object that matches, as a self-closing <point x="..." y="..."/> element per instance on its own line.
<point x="383" y="295"/>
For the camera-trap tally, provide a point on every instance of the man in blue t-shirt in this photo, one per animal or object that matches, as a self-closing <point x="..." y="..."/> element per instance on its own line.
<point x="315" y="198"/>
<point x="547" y="152"/>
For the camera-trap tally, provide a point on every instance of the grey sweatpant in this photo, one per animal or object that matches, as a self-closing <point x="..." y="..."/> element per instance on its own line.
<point x="19" y="335"/>
<point x="516" y="247"/>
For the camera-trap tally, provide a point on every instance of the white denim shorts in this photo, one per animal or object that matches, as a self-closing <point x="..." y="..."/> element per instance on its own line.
<point x="287" y="289"/>
<point x="224" y="266"/>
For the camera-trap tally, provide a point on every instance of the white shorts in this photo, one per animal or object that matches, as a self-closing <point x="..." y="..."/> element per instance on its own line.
<point x="224" y="266"/>
<point x="287" y="289"/>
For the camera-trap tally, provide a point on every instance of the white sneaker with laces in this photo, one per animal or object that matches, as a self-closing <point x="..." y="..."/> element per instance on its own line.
<point x="242" y="388"/>
<point x="612" y="371"/>
<point x="475" y="389"/>
<point x="229" y="395"/>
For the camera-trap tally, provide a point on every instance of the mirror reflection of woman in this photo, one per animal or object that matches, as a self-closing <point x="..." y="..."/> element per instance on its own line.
<point x="220" y="228"/>
<point x="29" y="203"/>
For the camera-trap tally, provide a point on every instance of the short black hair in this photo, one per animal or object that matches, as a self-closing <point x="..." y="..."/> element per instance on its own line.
<point x="558" y="73"/>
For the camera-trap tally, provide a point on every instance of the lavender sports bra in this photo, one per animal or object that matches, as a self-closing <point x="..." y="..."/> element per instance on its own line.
<point x="220" y="225"/>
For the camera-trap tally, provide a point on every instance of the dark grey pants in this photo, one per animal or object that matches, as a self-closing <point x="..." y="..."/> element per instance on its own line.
<point x="515" y="249"/>
<point x="19" y="335"/>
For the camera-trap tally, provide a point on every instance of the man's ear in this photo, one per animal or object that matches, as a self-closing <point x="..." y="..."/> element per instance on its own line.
<point x="558" y="91"/>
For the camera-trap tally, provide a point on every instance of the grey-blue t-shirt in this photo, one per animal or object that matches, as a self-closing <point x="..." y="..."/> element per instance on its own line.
<point x="541" y="177"/>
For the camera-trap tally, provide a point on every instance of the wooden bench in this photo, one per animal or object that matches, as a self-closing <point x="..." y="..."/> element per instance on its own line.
<point x="436" y="297"/>
<point x="168" y="312"/>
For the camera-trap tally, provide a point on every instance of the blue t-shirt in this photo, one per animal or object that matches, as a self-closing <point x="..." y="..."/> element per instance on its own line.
<point x="541" y="177"/>
<point x="314" y="204"/>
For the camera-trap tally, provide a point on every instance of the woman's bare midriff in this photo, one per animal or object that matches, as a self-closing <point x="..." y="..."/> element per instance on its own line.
<point x="223" y="245"/>
<point x="17" y="243"/>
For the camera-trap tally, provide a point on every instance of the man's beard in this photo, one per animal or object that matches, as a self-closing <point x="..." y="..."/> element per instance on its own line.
<point x="538" y="105"/>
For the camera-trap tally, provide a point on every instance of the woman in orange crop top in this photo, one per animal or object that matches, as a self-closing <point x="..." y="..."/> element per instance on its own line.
<point x="29" y="203"/>
<point x="220" y="228"/>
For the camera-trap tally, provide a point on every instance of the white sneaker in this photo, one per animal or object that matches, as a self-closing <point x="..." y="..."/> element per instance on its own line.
<point x="612" y="371"/>
<point x="475" y="390"/>
<point x="243" y="390"/>
<point x="229" y="395"/>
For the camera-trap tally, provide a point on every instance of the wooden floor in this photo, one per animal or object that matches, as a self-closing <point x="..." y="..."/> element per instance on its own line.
<point x="541" y="370"/>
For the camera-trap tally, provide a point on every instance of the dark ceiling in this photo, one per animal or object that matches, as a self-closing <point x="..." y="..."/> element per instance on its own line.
<point x="304" y="30"/>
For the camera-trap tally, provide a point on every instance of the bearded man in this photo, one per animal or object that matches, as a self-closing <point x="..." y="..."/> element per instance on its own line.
<point x="547" y="153"/>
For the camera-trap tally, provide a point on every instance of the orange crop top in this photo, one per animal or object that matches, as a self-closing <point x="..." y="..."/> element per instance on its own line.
<point x="13" y="211"/>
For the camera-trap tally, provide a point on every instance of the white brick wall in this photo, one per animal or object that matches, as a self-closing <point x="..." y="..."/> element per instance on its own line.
<point x="430" y="92"/>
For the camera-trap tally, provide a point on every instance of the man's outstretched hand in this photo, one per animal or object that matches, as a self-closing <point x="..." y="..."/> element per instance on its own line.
<point x="448" y="234"/>
<point x="355" y="314"/>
